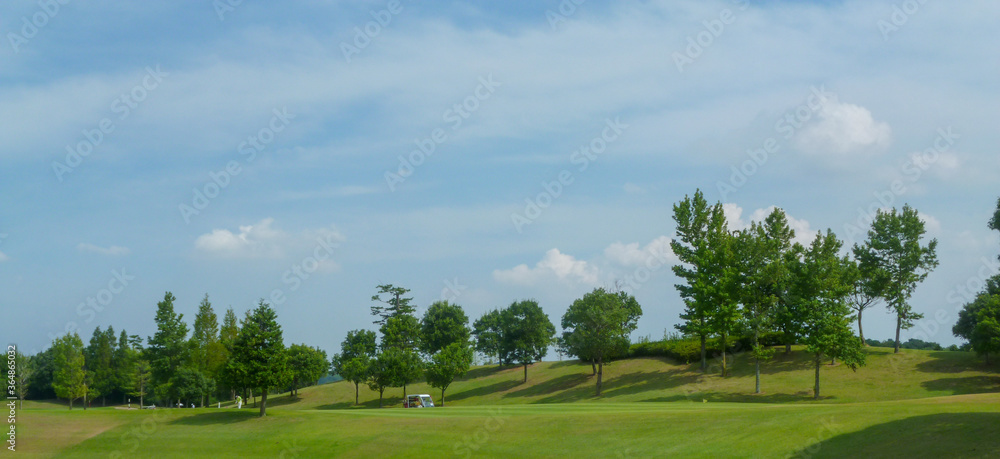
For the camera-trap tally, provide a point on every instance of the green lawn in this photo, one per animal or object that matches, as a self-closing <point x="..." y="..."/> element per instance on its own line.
<point x="901" y="405"/>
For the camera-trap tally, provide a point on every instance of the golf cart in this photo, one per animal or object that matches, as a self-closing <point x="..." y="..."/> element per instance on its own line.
<point x="418" y="401"/>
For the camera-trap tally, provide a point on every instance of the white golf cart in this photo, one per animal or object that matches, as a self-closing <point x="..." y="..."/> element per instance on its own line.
<point x="418" y="401"/>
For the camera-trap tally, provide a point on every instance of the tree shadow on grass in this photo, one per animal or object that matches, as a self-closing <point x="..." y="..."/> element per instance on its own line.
<point x="561" y="389"/>
<point x="484" y="390"/>
<point x="954" y="362"/>
<point x="350" y="405"/>
<point x="966" y="385"/>
<point x="640" y="381"/>
<point x="229" y="416"/>
<point x="712" y="396"/>
<point x="933" y="435"/>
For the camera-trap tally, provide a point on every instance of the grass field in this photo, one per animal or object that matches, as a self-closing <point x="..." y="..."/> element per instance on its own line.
<point x="916" y="404"/>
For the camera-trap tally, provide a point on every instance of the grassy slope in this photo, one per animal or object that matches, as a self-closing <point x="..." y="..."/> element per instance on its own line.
<point x="492" y="413"/>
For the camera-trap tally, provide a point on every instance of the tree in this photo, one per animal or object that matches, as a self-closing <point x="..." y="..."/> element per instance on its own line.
<point x="123" y="361"/>
<point x="307" y="365"/>
<point x="401" y="332"/>
<point x="68" y="375"/>
<point x="821" y="287"/>
<point x="979" y="321"/>
<point x="230" y="329"/>
<point x="259" y="356"/>
<point x="489" y="339"/>
<point x="382" y="371"/>
<point x="447" y="364"/>
<point x="97" y="360"/>
<point x="443" y="324"/>
<point x="867" y="284"/>
<point x="893" y="249"/>
<point x="25" y="367"/>
<point x="409" y="368"/>
<point x="355" y="358"/>
<point x="41" y="377"/>
<point x="141" y="380"/>
<point x="208" y="354"/>
<point x="167" y="349"/>
<point x="598" y="326"/>
<point x="527" y="333"/>
<point x="700" y="230"/>
<point x="191" y="385"/>
<point x="396" y="304"/>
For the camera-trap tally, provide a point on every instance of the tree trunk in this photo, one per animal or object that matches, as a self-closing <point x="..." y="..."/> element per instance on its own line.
<point x="593" y="368"/>
<point x="756" y="362"/>
<point x="816" y="387"/>
<point x="899" y="325"/>
<point x="526" y="372"/>
<point x="71" y="403"/>
<point x="263" y="403"/>
<point x="355" y="393"/>
<point x="404" y="390"/>
<point x="140" y="400"/>
<point x="104" y="400"/>
<point x="442" y="398"/>
<point x="861" y="331"/>
<point x="600" y="374"/>
<point x="84" y="401"/>
<point x="704" y="361"/>
<point x="724" y="369"/>
<point x="380" y="391"/>
<point x="788" y="348"/>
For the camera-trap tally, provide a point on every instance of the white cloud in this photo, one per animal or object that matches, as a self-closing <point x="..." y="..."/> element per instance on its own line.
<point x="261" y="240"/>
<point x="632" y="188"/>
<point x="555" y="265"/>
<point x="931" y="223"/>
<point x="113" y="250"/>
<point x="843" y="128"/>
<point x="631" y="255"/>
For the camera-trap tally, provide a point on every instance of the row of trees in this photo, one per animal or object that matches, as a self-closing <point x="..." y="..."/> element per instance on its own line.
<point x="214" y="362"/>
<point x="979" y="320"/>
<point x="756" y="281"/>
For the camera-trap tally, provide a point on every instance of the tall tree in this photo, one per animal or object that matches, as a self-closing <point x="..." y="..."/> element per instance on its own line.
<point x="97" y="360"/>
<point x="208" y="354"/>
<point x="167" y="349"/>
<point x="820" y="286"/>
<point x="893" y="248"/>
<point x="191" y="385"/>
<point x="598" y="326"/>
<point x="401" y="332"/>
<point x="394" y="301"/>
<point x="867" y="283"/>
<point x="700" y="229"/>
<point x="68" y="374"/>
<point x="489" y="340"/>
<point x="41" y="378"/>
<point x="357" y="352"/>
<point x="25" y="367"/>
<point x="307" y="365"/>
<point x="382" y="371"/>
<point x="230" y="328"/>
<point x="447" y="364"/>
<point x="527" y="333"/>
<point x="259" y="353"/>
<point x="141" y="379"/>
<point x="123" y="361"/>
<point x="443" y="324"/>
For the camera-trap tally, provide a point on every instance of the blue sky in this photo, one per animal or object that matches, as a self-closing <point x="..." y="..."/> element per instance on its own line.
<point x="589" y="122"/>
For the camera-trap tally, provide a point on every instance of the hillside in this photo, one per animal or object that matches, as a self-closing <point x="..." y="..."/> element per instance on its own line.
<point x="787" y="378"/>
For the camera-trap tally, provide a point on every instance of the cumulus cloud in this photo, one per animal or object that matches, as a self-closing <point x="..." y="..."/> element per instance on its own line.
<point x="931" y="223"/>
<point x="113" y="250"/>
<point x="842" y="128"/>
<point x="554" y="265"/>
<point x="262" y="240"/>
<point x="632" y="255"/>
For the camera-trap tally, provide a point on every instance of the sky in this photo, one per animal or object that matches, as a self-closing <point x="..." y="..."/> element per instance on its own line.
<point x="479" y="152"/>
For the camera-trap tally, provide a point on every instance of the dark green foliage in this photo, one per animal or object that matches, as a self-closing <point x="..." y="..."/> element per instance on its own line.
<point x="97" y="360"/>
<point x="167" y="350"/>
<point x="447" y="364"/>
<point x="258" y="359"/>
<point x="354" y="361"/>
<point x="598" y="326"/>
<point x="488" y="332"/>
<point x="69" y="378"/>
<point x="443" y="324"/>
<point x="191" y="385"/>
<point x="307" y="365"/>
<point x="527" y="333"/>
<point x="395" y="303"/>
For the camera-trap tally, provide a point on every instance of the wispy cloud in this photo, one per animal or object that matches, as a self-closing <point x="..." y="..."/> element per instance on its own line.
<point x="111" y="251"/>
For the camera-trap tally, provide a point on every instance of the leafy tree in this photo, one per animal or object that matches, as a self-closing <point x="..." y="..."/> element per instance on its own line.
<point x="527" y="333"/>
<point x="382" y="371"/>
<point x="97" y="361"/>
<point x="395" y="303"/>
<point x="191" y="385"/>
<point x="408" y="369"/>
<point x="259" y="359"/>
<point x="68" y="374"/>
<point x="867" y="283"/>
<point x="307" y="365"/>
<point x="123" y="360"/>
<point x="355" y="358"/>
<point x="893" y="249"/>
<point x="141" y="379"/>
<point x="41" y="378"/>
<point x="821" y="287"/>
<point x="489" y="339"/>
<point x="443" y="324"/>
<point x="700" y="230"/>
<point x="230" y="329"/>
<point x="167" y="350"/>
<point x="208" y="353"/>
<point x="598" y="326"/>
<point x="447" y="364"/>
<point x="25" y="367"/>
<point x="401" y="332"/>
<point x="979" y="323"/>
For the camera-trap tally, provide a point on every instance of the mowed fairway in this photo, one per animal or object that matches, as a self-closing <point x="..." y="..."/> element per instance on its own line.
<point x="667" y="412"/>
